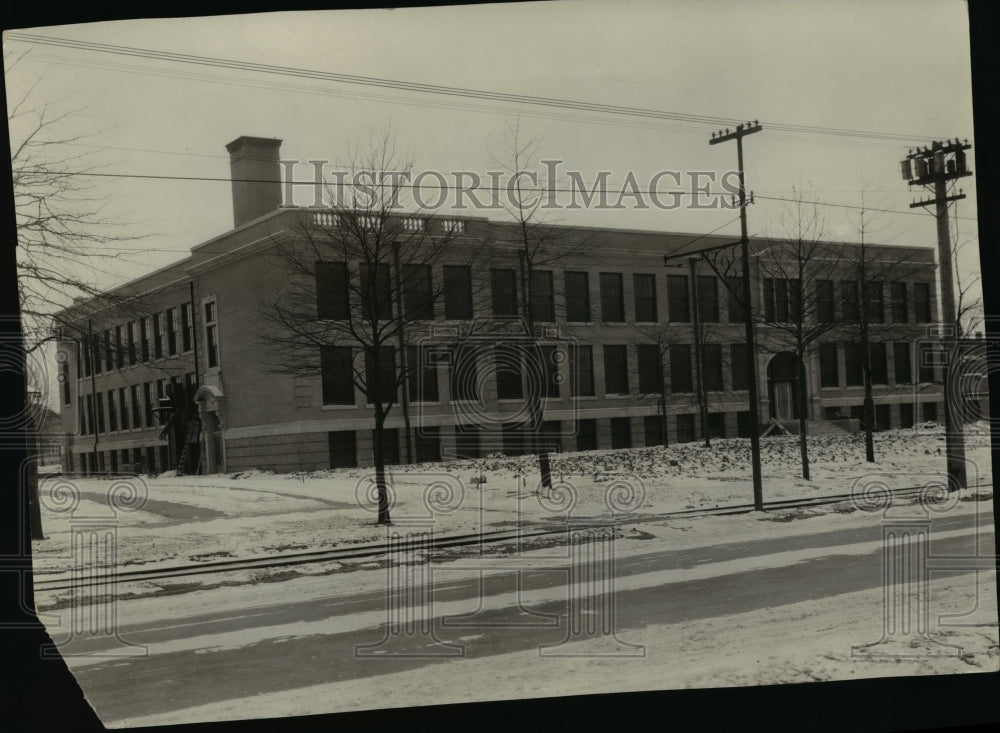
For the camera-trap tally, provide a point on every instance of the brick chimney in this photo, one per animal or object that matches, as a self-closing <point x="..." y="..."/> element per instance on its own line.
<point x="256" y="174"/>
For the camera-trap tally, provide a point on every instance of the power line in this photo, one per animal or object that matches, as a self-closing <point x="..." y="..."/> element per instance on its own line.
<point x="444" y="90"/>
<point x="495" y="189"/>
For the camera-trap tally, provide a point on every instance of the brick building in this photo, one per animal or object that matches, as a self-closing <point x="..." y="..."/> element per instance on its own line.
<point x="619" y="323"/>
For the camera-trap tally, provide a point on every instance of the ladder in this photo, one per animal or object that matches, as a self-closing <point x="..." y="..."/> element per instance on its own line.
<point x="192" y="431"/>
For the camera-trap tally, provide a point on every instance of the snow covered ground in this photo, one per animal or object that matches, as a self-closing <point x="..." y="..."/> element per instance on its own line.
<point x="252" y="513"/>
<point x="800" y="642"/>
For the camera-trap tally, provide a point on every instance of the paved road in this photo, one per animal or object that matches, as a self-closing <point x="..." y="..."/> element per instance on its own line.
<point x="177" y="679"/>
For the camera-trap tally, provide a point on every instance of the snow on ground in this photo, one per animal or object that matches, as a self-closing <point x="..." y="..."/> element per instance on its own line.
<point x="256" y="513"/>
<point x="800" y="642"/>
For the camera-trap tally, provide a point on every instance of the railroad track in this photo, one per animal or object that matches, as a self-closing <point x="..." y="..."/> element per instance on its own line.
<point x="464" y="540"/>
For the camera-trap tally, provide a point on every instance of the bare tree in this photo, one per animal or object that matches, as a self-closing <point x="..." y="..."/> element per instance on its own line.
<point x="798" y="273"/>
<point x="64" y="236"/>
<point x="359" y="292"/>
<point x="541" y="246"/>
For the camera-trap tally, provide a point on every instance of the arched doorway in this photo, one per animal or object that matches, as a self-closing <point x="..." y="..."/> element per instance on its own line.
<point x="783" y="373"/>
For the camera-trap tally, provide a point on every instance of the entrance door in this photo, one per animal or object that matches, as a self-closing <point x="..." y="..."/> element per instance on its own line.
<point x="784" y="404"/>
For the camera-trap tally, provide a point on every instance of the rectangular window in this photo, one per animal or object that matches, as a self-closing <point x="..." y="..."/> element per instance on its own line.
<point x="380" y="374"/>
<point x="466" y="441"/>
<point x="929" y="412"/>
<point x="543" y="305"/>
<point x="463" y="374"/>
<point x="89" y="429"/>
<point x="112" y="412"/>
<point x="100" y="412"/>
<point x="879" y="367"/>
<point x="137" y="406"/>
<point x="826" y="311"/>
<point x="685" y="428"/>
<point x="680" y="368"/>
<point x="782" y="299"/>
<point x="333" y="300"/>
<point x="343" y="449"/>
<point x="508" y="367"/>
<point x="457" y="293"/>
<point x="427" y="444"/>
<point x="716" y="425"/>
<point x="581" y="367"/>
<point x="612" y="297"/>
<point x="64" y="372"/>
<point x="158" y="335"/>
<point x="902" y="370"/>
<point x="422" y="378"/>
<point x="922" y="302"/>
<point x="187" y="328"/>
<point x="652" y="426"/>
<point x="123" y="407"/>
<point x="743" y="424"/>
<point x="212" y="335"/>
<point x="119" y="348"/>
<point x="418" y="293"/>
<point x="644" y="286"/>
<point x="849" y="300"/>
<point x="875" y="304"/>
<point x="95" y="353"/>
<point x="711" y="365"/>
<point x="829" y="375"/>
<point x="337" y="375"/>
<point x="650" y="371"/>
<point x="577" y="297"/>
<point x="147" y="401"/>
<point x="739" y="361"/>
<point x="171" y="331"/>
<point x="109" y="352"/>
<point x="144" y="339"/>
<point x="615" y="370"/>
<point x="906" y="415"/>
<point x="853" y="367"/>
<point x="708" y="298"/>
<point x="133" y="355"/>
<point x="550" y="371"/>
<point x="390" y="446"/>
<point x="678" y="310"/>
<point x="586" y="434"/>
<point x="376" y="292"/>
<point x="927" y="356"/>
<point x="736" y="299"/>
<point x="882" y="419"/>
<point x="504" y="286"/>
<point x="898" y="304"/>
<point x="621" y="432"/>
<point x="550" y="437"/>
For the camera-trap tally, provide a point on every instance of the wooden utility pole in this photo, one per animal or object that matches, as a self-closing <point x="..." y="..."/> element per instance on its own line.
<point x="933" y="168"/>
<point x="741" y="131"/>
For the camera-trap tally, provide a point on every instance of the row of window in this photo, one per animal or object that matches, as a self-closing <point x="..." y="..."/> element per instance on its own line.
<point x="471" y="442"/>
<point x="128" y="408"/>
<point x="784" y="301"/>
<point x="878" y="361"/>
<point x="781" y="296"/>
<point x="163" y="334"/>
<point x="148" y="460"/>
<point x="523" y="371"/>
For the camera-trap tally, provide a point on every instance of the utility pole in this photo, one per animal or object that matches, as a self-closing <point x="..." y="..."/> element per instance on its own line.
<point x="742" y="130"/>
<point x="933" y="168"/>
<point x="699" y="377"/>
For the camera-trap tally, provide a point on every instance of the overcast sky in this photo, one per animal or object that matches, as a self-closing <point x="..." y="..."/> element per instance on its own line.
<point x="886" y="66"/>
